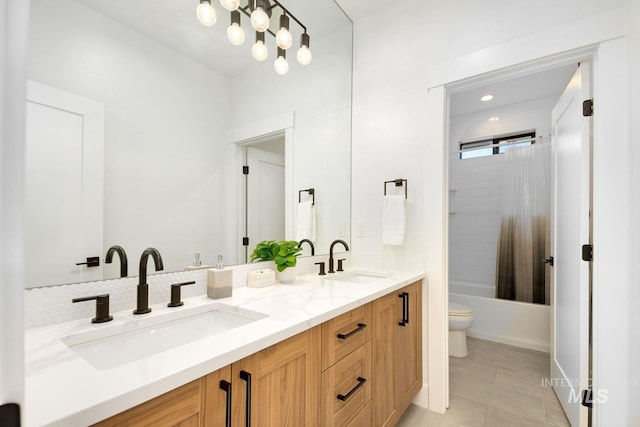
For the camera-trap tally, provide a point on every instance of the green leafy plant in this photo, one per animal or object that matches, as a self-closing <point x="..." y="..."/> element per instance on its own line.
<point x="284" y="253"/>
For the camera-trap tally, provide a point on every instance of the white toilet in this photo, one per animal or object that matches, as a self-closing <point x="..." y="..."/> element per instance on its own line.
<point x="460" y="319"/>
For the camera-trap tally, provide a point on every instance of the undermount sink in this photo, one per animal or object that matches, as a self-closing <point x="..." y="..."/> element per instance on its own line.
<point x="362" y="277"/>
<point x="115" y="345"/>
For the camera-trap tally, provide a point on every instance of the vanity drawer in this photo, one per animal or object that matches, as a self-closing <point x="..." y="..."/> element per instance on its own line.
<point x="346" y="388"/>
<point x="364" y="417"/>
<point x="345" y="333"/>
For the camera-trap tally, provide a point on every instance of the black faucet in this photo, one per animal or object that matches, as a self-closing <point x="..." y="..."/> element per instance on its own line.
<point x="313" y="250"/>
<point x="331" y="270"/>
<point x="124" y="268"/>
<point x="143" y="287"/>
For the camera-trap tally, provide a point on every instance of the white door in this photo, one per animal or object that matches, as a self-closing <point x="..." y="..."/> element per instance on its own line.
<point x="265" y="205"/>
<point x="572" y="195"/>
<point x="63" y="186"/>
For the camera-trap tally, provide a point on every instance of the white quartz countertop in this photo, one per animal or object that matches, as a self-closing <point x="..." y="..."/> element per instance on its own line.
<point x="63" y="389"/>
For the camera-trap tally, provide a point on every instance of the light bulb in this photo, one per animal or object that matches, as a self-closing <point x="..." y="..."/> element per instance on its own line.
<point x="281" y="65"/>
<point x="259" y="51"/>
<point x="235" y="34"/>
<point x="304" y="55"/>
<point x="284" y="38"/>
<point x="230" y="5"/>
<point x="206" y="13"/>
<point x="260" y="20"/>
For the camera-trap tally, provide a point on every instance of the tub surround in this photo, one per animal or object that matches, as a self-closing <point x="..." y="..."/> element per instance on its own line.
<point x="64" y="389"/>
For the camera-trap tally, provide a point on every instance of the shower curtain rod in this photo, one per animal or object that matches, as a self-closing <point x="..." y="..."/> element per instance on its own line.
<point x="503" y="143"/>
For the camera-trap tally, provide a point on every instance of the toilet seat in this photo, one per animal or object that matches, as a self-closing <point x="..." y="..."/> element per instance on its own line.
<point x="459" y="310"/>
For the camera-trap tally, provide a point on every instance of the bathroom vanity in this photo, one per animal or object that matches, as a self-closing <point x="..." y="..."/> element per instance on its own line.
<point x="345" y="350"/>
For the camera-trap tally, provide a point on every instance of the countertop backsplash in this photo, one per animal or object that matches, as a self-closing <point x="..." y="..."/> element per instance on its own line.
<point x="51" y="305"/>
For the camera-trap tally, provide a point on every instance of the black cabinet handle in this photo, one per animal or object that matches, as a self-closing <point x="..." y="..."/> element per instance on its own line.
<point x="92" y="261"/>
<point x="344" y="397"/>
<point x="406" y="310"/>
<point x="226" y="386"/>
<point x="404" y="296"/>
<point x="246" y="376"/>
<point x="360" y="327"/>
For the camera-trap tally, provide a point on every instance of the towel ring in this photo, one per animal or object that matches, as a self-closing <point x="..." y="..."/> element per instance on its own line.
<point x="398" y="183"/>
<point x="312" y="193"/>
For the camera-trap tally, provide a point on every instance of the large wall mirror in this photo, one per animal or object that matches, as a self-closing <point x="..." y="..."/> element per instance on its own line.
<point x="138" y="118"/>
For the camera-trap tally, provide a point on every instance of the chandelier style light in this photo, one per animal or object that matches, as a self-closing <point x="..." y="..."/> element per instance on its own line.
<point x="259" y="12"/>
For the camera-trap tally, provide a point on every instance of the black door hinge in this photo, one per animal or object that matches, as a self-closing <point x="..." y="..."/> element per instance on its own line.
<point x="587" y="252"/>
<point x="245" y="170"/>
<point x="245" y="241"/>
<point x="587" y="398"/>
<point x="587" y="108"/>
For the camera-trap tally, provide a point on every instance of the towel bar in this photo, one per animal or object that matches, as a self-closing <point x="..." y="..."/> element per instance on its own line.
<point x="398" y="183"/>
<point x="312" y="193"/>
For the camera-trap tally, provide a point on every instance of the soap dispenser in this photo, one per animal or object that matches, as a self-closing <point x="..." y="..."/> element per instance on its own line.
<point x="219" y="281"/>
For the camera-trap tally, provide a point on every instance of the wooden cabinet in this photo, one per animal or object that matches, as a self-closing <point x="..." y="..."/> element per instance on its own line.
<point x="346" y="376"/>
<point x="283" y="385"/>
<point x="360" y="369"/>
<point x="397" y="353"/>
<point x="178" y="408"/>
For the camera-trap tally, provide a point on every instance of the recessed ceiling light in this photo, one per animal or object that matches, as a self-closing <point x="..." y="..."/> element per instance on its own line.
<point x="486" y="98"/>
<point x="494" y="119"/>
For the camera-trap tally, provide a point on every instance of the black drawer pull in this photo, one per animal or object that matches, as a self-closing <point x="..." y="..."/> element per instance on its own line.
<point x="344" y="397"/>
<point x="226" y="386"/>
<point x="360" y="327"/>
<point x="246" y="376"/>
<point x="405" y="297"/>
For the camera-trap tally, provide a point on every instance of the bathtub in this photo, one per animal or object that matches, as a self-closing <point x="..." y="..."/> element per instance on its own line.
<point x="509" y="322"/>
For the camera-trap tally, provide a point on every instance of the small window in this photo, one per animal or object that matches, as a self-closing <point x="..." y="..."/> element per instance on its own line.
<point x="489" y="147"/>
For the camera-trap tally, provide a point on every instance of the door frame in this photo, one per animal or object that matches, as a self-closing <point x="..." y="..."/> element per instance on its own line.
<point x="518" y="70"/>
<point x="249" y="135"/>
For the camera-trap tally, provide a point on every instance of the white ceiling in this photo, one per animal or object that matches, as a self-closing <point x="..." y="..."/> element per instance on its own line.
<point x="173" y="23"/>
<point x="513" y="91"/>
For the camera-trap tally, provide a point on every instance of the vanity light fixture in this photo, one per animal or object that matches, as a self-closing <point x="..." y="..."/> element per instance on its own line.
<point x="304" y="54"/>
<point x="281" y="65"/>
<point x="260" y="11"/>
<point x="494" y="119"/>
<point x="284" y="39"/>
<point x="230" y="5"/>
<point x="259" y="49"/>
<point x="487" y="97"/>
<point x="206" y="13"/>
<point x="235" y="33"/>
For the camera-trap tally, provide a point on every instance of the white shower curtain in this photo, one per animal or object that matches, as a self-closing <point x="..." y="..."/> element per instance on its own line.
<point x="524" y="231"/>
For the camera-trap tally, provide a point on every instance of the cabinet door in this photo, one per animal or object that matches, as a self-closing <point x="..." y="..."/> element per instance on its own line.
<point x="217" y="398"/>
<point x="385" y="323"/>
<point x="177" y="408"/>
<point x="280" y="385"/>
<point x="408" y="346"/>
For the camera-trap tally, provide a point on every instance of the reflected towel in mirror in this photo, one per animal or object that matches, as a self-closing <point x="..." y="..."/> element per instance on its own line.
<point x="306" y="221"/>
<point x="394" y="220"/>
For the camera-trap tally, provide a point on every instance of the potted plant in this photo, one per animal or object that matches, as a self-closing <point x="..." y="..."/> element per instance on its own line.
<point x="284" y="253"/>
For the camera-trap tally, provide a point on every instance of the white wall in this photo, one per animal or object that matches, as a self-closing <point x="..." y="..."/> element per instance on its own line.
<point x="14" y="19"/>
<point x="633" y="98"/>
<point x="474" y="228"/>
<point x="165" y="122"/>
<point x="395" y="135"/>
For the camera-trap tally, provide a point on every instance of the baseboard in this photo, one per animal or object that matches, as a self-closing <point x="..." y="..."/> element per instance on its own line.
<point x="545" y="348"/>
<point x="422" y="397"/>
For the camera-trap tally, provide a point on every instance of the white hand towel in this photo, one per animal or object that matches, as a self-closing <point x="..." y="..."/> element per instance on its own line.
<point x="306" y="221"/>
<point x="394" y="220"/>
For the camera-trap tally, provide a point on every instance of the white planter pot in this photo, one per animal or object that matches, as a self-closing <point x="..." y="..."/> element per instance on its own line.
<point x="287" y="276"/>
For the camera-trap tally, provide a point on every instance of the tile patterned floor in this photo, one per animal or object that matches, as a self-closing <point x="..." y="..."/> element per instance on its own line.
<point x="496" y="385"/>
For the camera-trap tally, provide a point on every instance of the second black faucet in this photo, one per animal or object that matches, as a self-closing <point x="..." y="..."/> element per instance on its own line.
<point x="142" y="305"/>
